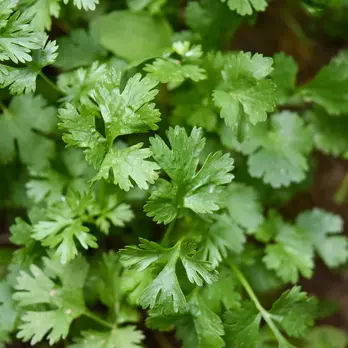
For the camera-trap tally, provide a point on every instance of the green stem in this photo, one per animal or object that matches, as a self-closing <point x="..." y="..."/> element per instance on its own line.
<point x="48" y="81"/>
<point x="264" y="313"/>
<point x="165" y="240"/>
<point x="342" y="191"/>
<point x="98" y="320"/>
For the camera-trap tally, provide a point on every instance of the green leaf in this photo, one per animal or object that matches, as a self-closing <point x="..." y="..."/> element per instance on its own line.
<point x="164" y="292"/>
<point x="126" y="164"/>
<point x="244" y="206"/>
<point x="295" y="312"/>
<point x="21" y="122"/>
<point x="66" y="302"/>
<point x="246" y="7"/>
<point x="246" y="94"/>
<point x="284" y="76"/>
<point x="329" y="132"/>
<point x="120" y="337"/>
<point x="123" y="113"/>
<point x="40" y="12"/>
<point x="330" y="86"/>
<point x="242" y="325"/>
<point x="17" y="38"/>
<point x="322" y="229"/>
<point x="64" y="226"/>
<point x="84" y="4"/>
<point x="23" y="79"/>
<point x="199" y="191"/>
<point x="326" y="336"/>
<point x="8" y="312"/>
<point x="291" y="254"/>
<point x="134" y="36"/>
<point x="282" y="156"/>
<point x="80" y="48"/>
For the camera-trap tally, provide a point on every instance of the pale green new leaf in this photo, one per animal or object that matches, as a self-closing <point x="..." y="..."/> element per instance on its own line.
<point x="120" y="337"/>
<point x="291" y="254"/>
<point x="8" y="312"/>
<point x="326" y="336"/>
<point x="295" y="312"/>
<point x="63" y="227"/>
<point x="247" y="93"/>
<point x="20" y="122"/>
<point x="246" y="7"/>
<point x="174" y="71"/>
<point x="65" y="301"/>
<point x="126" y="164"/>
<point x="199" y="191"/>
<point x="84" y="4"/>
<point x="322" y="229"/>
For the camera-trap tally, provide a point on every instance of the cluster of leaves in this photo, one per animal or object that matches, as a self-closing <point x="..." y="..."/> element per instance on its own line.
<point x="199" y="194"/>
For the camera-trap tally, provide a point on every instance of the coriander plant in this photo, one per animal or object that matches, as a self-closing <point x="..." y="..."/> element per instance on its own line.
<point x="146" y="168"/>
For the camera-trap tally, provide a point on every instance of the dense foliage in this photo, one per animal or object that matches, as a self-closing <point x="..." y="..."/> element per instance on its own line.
<point x="144" y="166"/>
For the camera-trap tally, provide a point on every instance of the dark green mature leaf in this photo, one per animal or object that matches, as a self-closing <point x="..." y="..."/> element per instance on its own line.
<point x="199" y="191"/>
<point x="284" y="76"/>
<point x="242" y="325"/>
<point x="80" y="48"/>
<point x="322" y="229"/>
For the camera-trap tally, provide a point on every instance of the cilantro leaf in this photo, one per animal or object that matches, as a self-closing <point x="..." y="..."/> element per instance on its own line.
<point x="322" y="229"/>
<point x="123" y="113"/>
<point x="329" y="132"/>
<point x="330" y="86"/>
<point x="242" y="325"/>
<point x="80" y="48"/>
<point x="222" y="236"/>
<point x="66" y="302"/>
<point x="294" y="311"/>
<point x="84" y="4"/>
<point x="176" y="71"/>
<point x="164" y="291"/>
<point x="128" y="163"/>
<point x="40" y="12"/>
<point x="23" y="79"/>
<point x="17" y="39"/>
<point x="120" y="337"/>
<point x="291" y="254"/>
<point x="21" y="122"/>
<point x="244" y="207"/>
<point x="197" y="326"/>
<point x="246" y="94"/>
<point x="246" y="7"/>
<point x="8" y="312"/>
<point x="284" y="76"/>
<point x="326" y="336"/>
<point x="199" y="191"/>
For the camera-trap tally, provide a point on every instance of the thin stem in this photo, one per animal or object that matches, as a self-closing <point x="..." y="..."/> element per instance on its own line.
<point x="165" y="240"/>
<point x="162" y="340"/>
<point x="98" y="320"/>
<point x="48" y="81"/>
<point x="342" y="191"/>
<point x="264" y="313"/>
